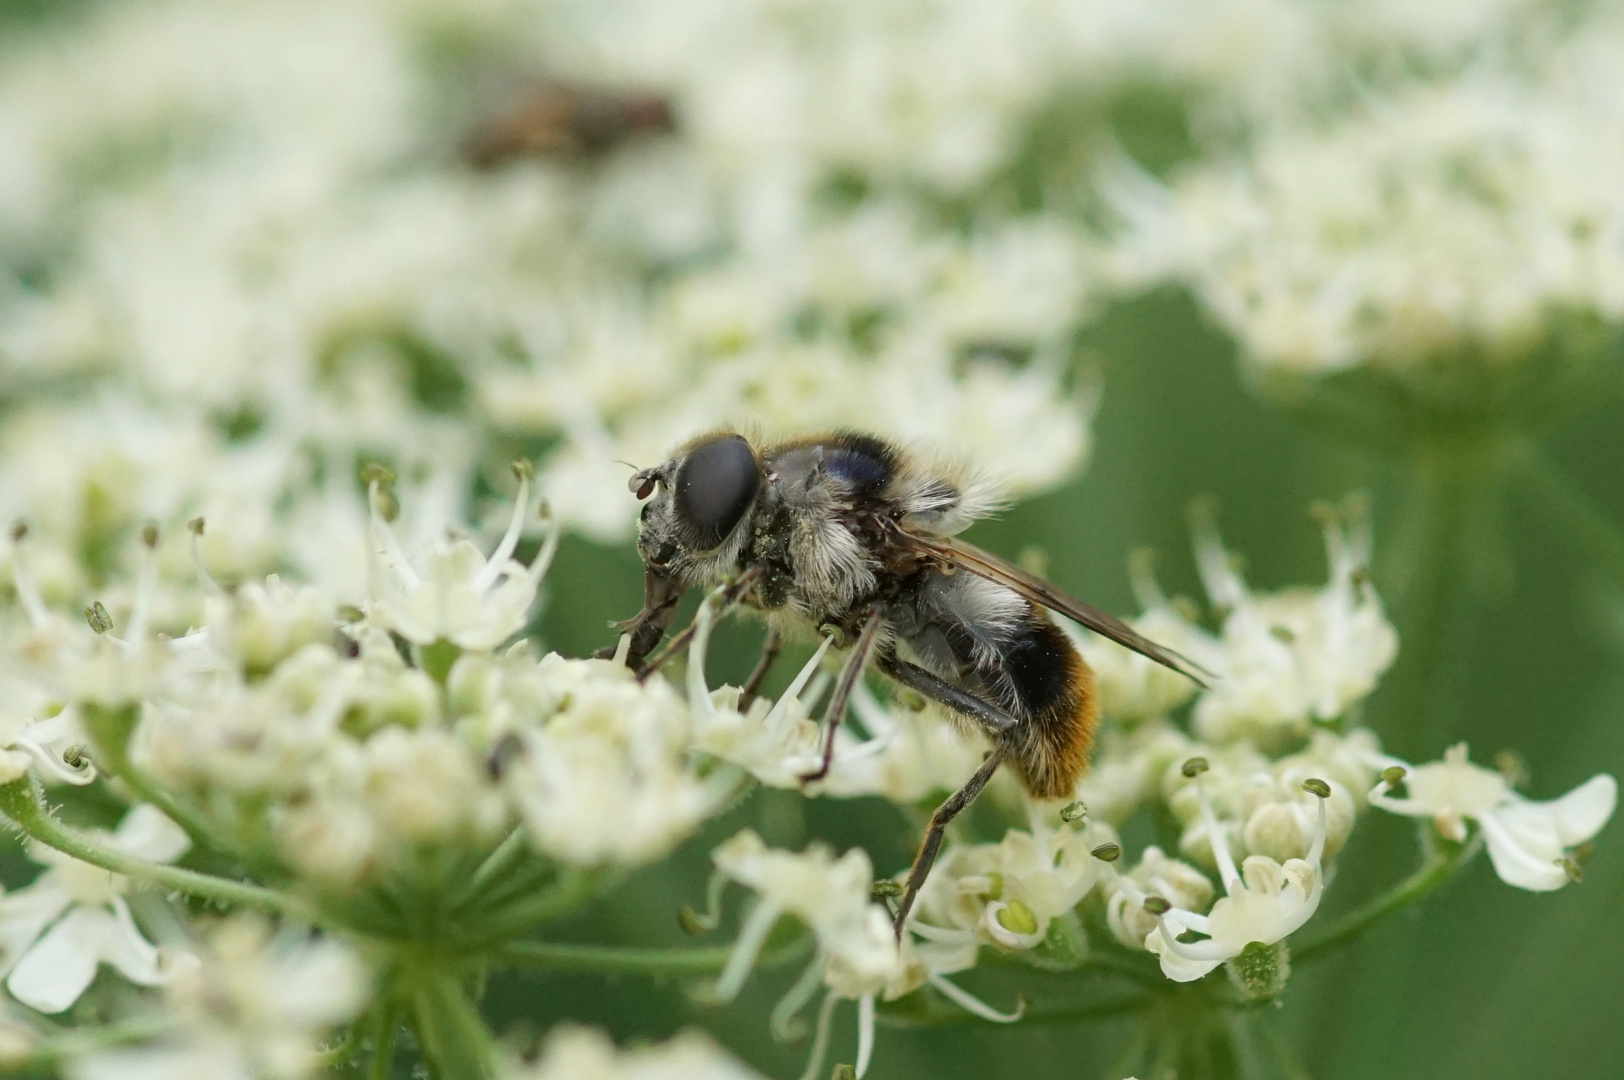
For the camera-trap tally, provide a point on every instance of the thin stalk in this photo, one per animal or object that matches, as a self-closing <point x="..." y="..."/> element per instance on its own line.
<point x="348" y="1046"/>
<point x="456" y="1043"/>
<point x="1284" y="1057"/>
<point x="615" y="960"/>
<point x="109" y="730"/>
<point x="1438" y="868"/>
<point x="507" y="855"/>
<point x="386" y="1021"/>
<point x="573" y="888"/>
<point x="21" y="800"/>
<point x="1570" y="506"/>
<point x="1430" y="583"/>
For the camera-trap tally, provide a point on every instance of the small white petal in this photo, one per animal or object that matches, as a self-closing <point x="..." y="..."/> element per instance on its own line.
<point x="62" y="963"/>
<point x="24" y="915"/>
<point x="147" y="834"/>
<point x="1578" y="815"/>
<point x="1513" y="859"/>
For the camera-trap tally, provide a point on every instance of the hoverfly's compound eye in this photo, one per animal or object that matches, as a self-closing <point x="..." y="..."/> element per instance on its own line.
<point x="714" y="487"/>
<point x="641" y="485"/>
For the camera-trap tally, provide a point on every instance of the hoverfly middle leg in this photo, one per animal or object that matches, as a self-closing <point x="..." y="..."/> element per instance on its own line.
<point x="944" y="815"/>
<point x="836" y="712"/>
<point x="769" y="653"/>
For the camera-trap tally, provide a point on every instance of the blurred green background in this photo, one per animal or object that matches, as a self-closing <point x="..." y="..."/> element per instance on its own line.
<point x="1482" y="980"/>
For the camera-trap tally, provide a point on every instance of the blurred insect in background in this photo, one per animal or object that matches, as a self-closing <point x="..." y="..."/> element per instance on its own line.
<point x="564" y="121"/>
<point x="852" y="536"/>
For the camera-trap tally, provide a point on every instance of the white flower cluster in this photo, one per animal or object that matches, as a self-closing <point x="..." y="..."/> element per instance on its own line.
<point x="574" y="1053"/>
<point x="1470" y="219"/>
<point x="1264" y="792"/>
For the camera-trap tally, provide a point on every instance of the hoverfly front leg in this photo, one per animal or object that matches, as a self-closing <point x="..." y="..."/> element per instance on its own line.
<point x="836" y="712"/>
<point x="648" y="626"/>
<point x="730" y="596"/>
<point x="769" y="653"/>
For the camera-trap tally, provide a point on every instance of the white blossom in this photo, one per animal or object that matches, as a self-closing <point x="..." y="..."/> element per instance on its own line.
<point x="1292" y="658"/>
<point x="578" y="1053"/>
<point x="257" y="1005"/>
<point x="73" y="918"/>
<point x="453" y="592"/>
<point x="1265" y="901"/>
<point x="857" y="958"/>
<point x="1528" y="841"/>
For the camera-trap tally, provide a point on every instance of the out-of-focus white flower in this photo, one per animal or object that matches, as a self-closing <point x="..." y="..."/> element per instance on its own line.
<point x="262" y="625"/>
<point x="1294" y="657"/>
<point x="858" y="956"/>
<point x="1265" y="901"/>
<point x="603" y="777"/>
<point x="577" y="1053"/>
<point x="257" y="1005"/>
<point x="1528" y="841"/>
<point x="454" y="593"/>
<point x="1133" y="687"/>
<point x="73" y="918"/>
<point x="1449" y="226"/>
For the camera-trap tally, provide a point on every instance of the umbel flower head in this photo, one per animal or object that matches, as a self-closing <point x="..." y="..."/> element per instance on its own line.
<point x="1265" y="902"/>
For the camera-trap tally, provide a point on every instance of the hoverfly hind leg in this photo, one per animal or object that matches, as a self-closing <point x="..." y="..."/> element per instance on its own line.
<point x="939" y="821"/>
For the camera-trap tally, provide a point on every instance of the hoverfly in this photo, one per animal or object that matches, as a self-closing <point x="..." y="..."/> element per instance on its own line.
<point x="568" y="121"/>
<point x="850" y="535"/>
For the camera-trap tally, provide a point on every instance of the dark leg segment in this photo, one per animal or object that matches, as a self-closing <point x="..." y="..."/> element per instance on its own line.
<point x="769" y="653"/>
<point x="647" y="627"/>
<point x="730" y="596"/>
<point x="932" y="843"/>
<point x="995" y="720"/>
<point x="836" y="712"/>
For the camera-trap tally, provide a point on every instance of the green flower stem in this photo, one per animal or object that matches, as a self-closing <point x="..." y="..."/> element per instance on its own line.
<point x="384" y="1023"/>
<point x="1438" y="868"/>
<point x="1098" y="962"/>
<point x="507" y="856"/>
<point x="1569" y="505"/>
<point x="22" y="801"/>
<point x="455" y="1041"/>
<point x="669" y="963"/>
<point x="572" y="888"/>
<point x="1431" y="578"/>
<point x="110" y="732"/>
<point x="71" y="1043"/>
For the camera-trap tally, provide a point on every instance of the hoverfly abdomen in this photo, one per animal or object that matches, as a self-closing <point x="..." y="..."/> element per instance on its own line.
<point x="1053" y="697"/>
<point x="996" y="645"/>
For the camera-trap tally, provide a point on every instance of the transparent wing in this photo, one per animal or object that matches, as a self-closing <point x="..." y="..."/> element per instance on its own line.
<point x="947" y="551"/>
